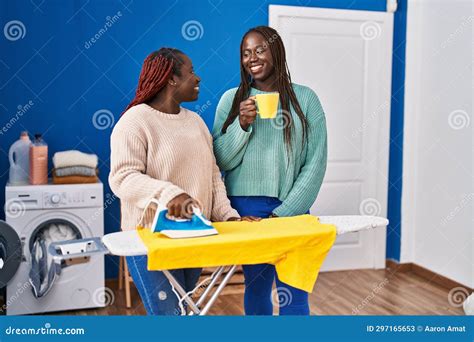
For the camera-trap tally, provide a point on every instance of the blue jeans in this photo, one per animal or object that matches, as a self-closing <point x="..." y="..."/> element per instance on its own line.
<point x="155" y="289"/>
<point x="258" y="298"/>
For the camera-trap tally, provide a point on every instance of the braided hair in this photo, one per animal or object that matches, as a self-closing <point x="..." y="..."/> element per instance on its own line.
<point x="157" y="68"/>
<point x="283" y="82"/>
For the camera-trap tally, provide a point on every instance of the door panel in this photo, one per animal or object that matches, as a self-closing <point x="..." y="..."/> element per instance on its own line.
<point x="345" y="57"/>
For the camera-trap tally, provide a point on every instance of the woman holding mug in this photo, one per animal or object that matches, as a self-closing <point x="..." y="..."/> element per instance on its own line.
<point x="161" y="150"/>
<point x="273" y="167"/>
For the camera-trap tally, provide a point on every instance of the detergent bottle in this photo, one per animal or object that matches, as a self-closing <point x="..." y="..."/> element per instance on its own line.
<point x="19" y="158"/>
<point x="38" y="161"/>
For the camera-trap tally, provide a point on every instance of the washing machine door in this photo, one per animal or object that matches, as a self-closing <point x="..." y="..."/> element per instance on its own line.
<point x="10" y="253"/>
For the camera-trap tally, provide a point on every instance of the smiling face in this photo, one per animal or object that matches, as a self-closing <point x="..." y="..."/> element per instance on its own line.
<point x="187" y="83"/>
<point x="257" y="58"/>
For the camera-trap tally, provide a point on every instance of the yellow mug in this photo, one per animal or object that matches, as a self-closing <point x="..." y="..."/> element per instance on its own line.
<point x="267" y="105"/>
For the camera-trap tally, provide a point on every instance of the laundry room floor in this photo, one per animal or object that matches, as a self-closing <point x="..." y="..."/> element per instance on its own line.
<point x="361" y="292"/>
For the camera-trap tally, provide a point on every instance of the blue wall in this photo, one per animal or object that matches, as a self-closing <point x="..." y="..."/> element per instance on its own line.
<point x="68" y="77"/>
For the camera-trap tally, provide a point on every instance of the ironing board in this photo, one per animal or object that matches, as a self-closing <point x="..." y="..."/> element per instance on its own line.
<point x="129" y="243"/>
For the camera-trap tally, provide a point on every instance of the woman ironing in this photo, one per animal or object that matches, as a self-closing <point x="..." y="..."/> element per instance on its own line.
<point x="273" y="167"/>
<point x="161" y="150"/>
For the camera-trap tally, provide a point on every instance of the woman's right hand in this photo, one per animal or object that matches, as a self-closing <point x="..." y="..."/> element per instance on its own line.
<point x="248" y="112"/>
<point x="182" y="206"/>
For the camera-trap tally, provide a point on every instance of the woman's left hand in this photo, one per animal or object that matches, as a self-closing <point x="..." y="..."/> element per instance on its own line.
<point x="245" y="218"/>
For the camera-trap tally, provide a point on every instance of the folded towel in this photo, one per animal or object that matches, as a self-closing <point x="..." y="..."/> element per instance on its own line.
<point x="76" y="171"/>
<point x="74" y="179"/>
<point x="74" y="158"/>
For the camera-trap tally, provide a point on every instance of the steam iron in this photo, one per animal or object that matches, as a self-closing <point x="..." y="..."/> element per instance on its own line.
<point x="176" y="228"/>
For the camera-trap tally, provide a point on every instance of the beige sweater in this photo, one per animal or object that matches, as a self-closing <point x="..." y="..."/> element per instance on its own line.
<point x="159" y="155"/>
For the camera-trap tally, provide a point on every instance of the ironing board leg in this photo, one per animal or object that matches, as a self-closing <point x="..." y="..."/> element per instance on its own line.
<point x="219" y="289"/>
<point x="181" y="291"/>
<point x="208" y="289"/>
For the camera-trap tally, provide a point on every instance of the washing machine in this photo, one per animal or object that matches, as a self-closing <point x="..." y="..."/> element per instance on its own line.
<point x="31" y="210"/>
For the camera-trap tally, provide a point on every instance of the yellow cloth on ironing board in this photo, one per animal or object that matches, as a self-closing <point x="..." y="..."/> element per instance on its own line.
<point x="297" y="246"/>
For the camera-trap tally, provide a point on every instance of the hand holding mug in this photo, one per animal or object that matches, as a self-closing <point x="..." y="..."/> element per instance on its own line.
<point x="247" y="112"/>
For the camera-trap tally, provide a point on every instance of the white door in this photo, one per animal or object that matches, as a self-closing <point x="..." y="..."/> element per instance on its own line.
<point x="345" y="57"/>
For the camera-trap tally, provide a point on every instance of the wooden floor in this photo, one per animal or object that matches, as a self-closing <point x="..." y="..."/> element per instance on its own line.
<point x="359" y="292"/>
